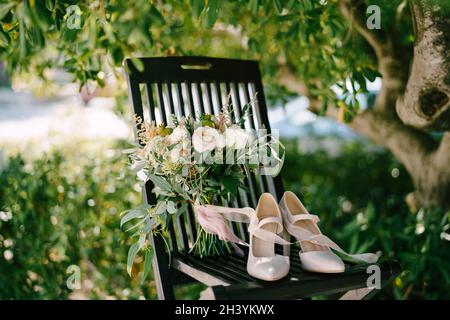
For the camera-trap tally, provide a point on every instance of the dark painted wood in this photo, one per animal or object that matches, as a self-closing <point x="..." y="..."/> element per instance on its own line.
<point x="305" y="285"/>
<point x="160" y="261"/>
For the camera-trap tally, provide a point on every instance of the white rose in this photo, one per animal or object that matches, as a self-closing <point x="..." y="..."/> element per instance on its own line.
<point x="177" y="135"/>
<point x="236" y="137"/>
<point x="206" y="139"/>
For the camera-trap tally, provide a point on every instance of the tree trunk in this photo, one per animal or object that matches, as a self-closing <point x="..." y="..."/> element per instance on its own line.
<point x="408" y="102"/>
<point x="426" y="103"/>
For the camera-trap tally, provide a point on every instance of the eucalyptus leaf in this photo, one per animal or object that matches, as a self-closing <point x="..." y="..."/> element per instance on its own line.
<point x="132" y="252"/>
<point x="147" y="264"/>
<point x="171" y="207"/>
<point x="135" y="225"/>
<point x="132" y="214"/>
<point x="160" y="182"/>
<point x="129" y="150"/>
<point x="138" y="165"/>
<point x="181" y="209"/>
<point x="161" y="207"/>
<point x="159" y="192"/>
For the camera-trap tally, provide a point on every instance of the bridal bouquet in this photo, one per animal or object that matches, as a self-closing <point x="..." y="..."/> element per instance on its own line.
<point x="195" y="161"/>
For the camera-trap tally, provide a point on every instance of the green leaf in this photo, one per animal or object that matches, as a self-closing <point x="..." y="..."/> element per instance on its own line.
<point x="197" y="7"/>
<point x="278" y="5"/>
<point x="230" y="184"/>
<point x="156" y="15"/>
<point x="138" y="64"/>
<point x="4" y="38"/>
<point x="149" y="225"/>
<point x="40" y="15"/>
<point x="182" y="209"/>
<point x="254" y="6"/>
<point x="132" y="252"/>
<point x="171" y="207"/>
<point x="132" y="214"/>
<point x="161" y="207"/>
<point x="307" y="5"/>
<point x="117" y="54"/>
<point x="287" y="17"/>
<point x="212" y="12"/>
<point x="147" y="264"/>
<point x="135" y="226"/>
<point x="160" y="182"/>
<point x="5" y="8"/>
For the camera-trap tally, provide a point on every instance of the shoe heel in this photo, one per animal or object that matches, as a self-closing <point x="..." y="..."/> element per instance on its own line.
<point x="287" y="247"/>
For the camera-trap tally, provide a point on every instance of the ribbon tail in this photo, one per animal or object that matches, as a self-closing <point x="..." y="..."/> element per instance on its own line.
<point x="212" y="220"/>
<point x="360" y="257"/>
<point x="363" y="257"/>
<point x="236" y="248"/>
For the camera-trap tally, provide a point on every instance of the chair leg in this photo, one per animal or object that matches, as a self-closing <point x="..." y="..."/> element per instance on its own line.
<point x="358" y="294"/>
<point x="207" y="294"/>
<point x="164" y="286"/>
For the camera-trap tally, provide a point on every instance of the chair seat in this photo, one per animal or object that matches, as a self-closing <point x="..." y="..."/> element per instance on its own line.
<point x="228" y="278"/>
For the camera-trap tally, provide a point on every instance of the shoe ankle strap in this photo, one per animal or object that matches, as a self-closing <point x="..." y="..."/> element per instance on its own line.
<point x="255" y="229"/>
<point x="269" y="220"/>
<point x="304" y="216"/>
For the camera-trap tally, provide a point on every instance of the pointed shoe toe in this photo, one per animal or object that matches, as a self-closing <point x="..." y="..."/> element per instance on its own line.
<point x="268" y="268"/>
<point x="321" y="261"/>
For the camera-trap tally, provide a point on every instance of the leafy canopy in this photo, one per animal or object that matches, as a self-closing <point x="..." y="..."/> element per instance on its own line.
<point x="310" y="36"/>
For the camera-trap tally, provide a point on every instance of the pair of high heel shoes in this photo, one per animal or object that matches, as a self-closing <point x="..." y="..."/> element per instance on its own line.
<point x="290" y="217"/>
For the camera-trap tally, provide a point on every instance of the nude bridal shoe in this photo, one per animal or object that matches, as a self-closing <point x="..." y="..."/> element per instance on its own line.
<point x="315" y="253"/>
<point x="265" y="225"/>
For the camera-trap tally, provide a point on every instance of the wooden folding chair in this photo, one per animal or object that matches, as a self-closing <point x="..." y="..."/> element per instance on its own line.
<point x="196" y="85"/>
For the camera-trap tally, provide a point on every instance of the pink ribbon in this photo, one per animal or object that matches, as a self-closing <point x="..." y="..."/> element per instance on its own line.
<point x="212" y="220"/>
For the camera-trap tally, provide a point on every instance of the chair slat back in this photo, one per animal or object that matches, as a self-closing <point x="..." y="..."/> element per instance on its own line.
<point x="192" y="86"/>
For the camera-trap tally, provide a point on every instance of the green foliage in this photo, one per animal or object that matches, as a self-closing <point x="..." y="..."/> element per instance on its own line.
<point x="311" y="36"/>
<point x="359" y="197"/>
<point x="65" y="211"/>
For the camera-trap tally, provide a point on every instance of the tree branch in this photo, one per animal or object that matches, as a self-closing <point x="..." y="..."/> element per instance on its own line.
<point x="287" y="77"/>
<point x="355" y="10"/>
<point x="424" y="158"/>
<point x="381" y="125"/>
<point x="390" y="64"/>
